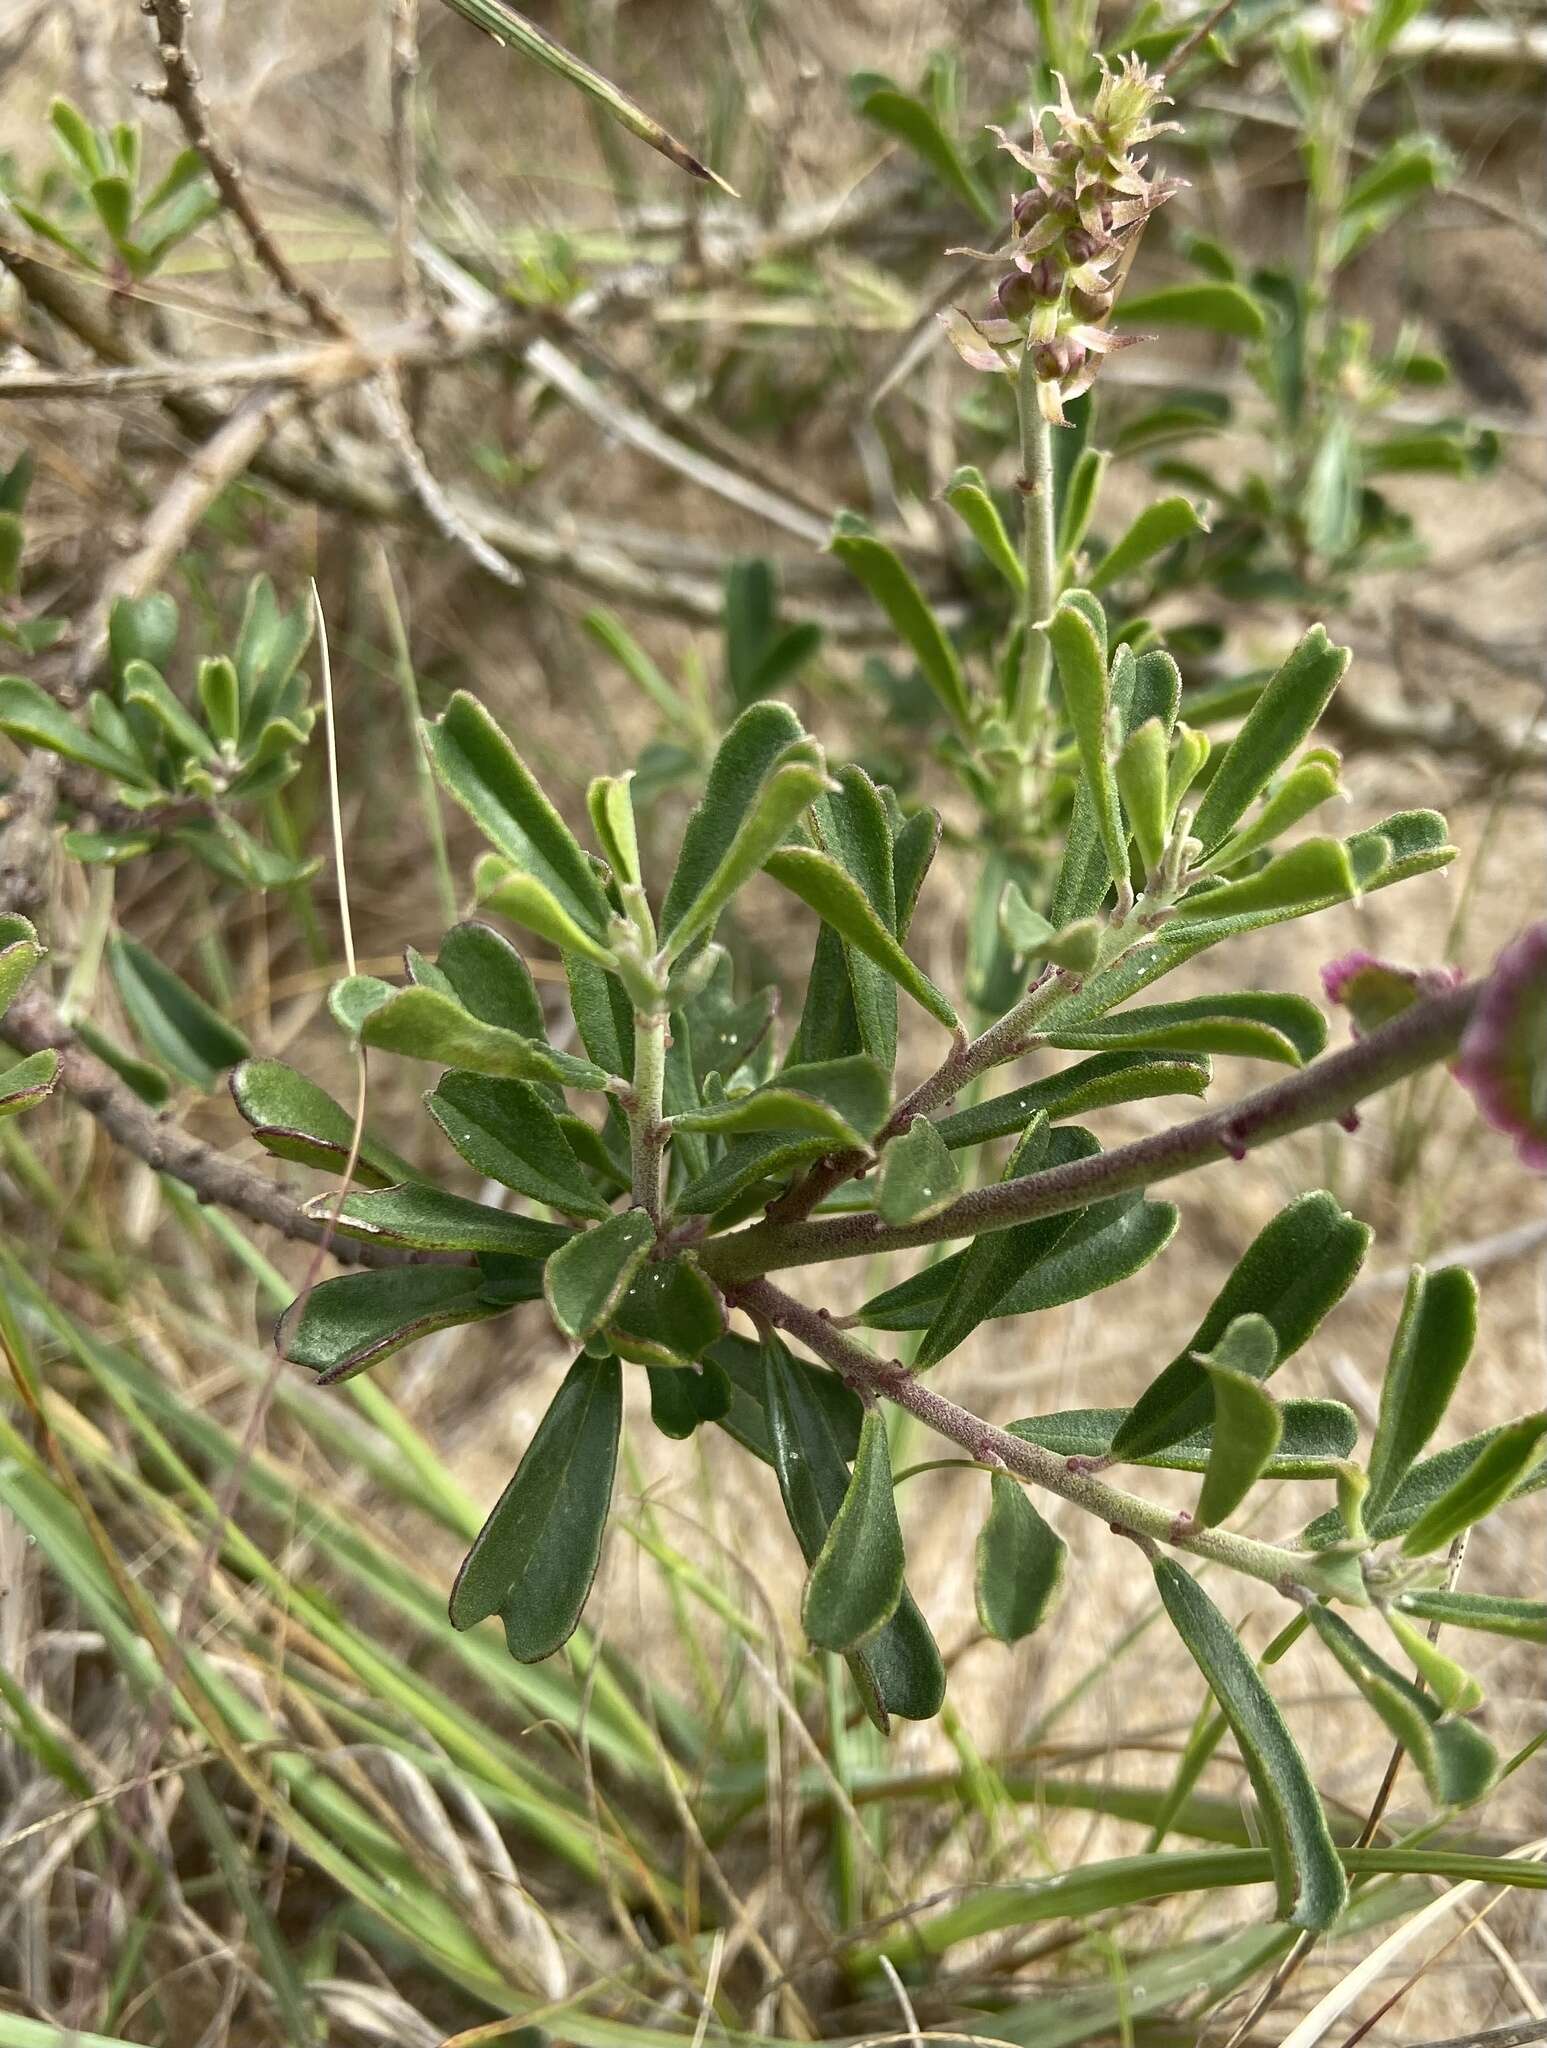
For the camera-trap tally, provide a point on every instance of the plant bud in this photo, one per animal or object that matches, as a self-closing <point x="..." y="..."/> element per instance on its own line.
<point x="1054" y="360"/>
<point x="1092" y="305"/>
<point x="1022" y="291"/>
<point x="1081" y="246"/>
<point x="1029" y="209"/>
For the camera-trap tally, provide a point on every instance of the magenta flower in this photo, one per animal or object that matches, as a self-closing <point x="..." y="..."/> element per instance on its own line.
<point x="1374" y="991"/>
<point x="1503" y="1056"/>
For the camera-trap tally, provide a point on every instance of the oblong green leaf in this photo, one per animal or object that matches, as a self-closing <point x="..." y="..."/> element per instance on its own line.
<point x="533" y="905"/>
<point x="669" y="1315"/>
<point x="1490" y="1478"/>
<point x="1246" y="1432"/>
<point x="1318" y="1436"/>
<point x="839" y="901"/>
<point x="586" y="1280"/>
<point x="489" y="977"/>
<point x="1019" y="1564"/>
<point x="917" y="1176"/>
<point x="889" y="583"/>
<point x="28" y="1082"/>
<point x="20" y="953"/>
<point x="1257" y="1024"/>
<point x="856" y="1581"/>
<point x="534" y="1560"/>
<point x="1097" y="1083"/>
<point x="433" y="1220"/>
<point x="292" y="1118"/>
<point x="1221" y="307"/>
<point x="1455" y="1690"/>
<point x="1280" y="720"/>
<point x="844" y="1102"/>
<point x="507" y="1131"/>
<point x="850" y="824"/>
<point x="1499" y="1614"/>
<point x="172" y="1020"/>
<point x="1425" y="1484"/>
<point x="1457" y="1761"/>
<point x="30" y="716"/>
<point x="967" y="495"/>
<point x="1312" y="1889"/>
<point x="1087" y="693"/>
<point x="1142" y="778"/>
<point x="424" y="1024"/>
<point x="913" y="122"/>
<point x="1293" y="1272"/>
<point x="1434" y="1338"/>
<point x="1310" y="876"/>
<point x="1157" y="527"/>
<point x="1312" y="782"/>
<point x="344" y="1326"/>
<point x="478" y="766"/>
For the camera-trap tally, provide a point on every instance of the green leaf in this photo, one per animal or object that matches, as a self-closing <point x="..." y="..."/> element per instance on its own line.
<point x="12" y="540"/>
<point x="850" y="825"/>
<point x="764" y="775"/>
<point x="1020" y="1564"/>
<point x="741" y="1361"/>
<point x="344" y="1326"/>
<point x="1407" y="843"/>
<point x="113" y="197"/>
<point x="171" y="1019"/>
<point x="611" y="811"/>
<point x="669" y="1316"/>
<point x="967" y="495"/>
<point x="1034" y="937"/>
<point x="530" y="903"/>
<point x="1257" y="1025"/>
<point x="1498" y="1613"/>
<point x="842" y="1102"/>
<point x="1312" y="1890"/>
<point x="1142" y="774"/>
<point x="1312" y="782"/>
<point x="1491" y="1478"/>
<point x="1247" y="1429"/>
<point x="1317" y="1437"/>
<point x="1078" y="503"/>
<point x="1280" y="720"/>
<point x="899" y="1670"/>
<point x="586" y="1280"/>
<point x="1157" y="527"/>
<point x="29" y="715"/>
<point x="477" y="765"/>
<point x="433" y="1220"/>
<point x="146" y="687"/>
<point x="1220" y="307"/>
<point x="918" y="1176"/>
<point x="20" y="953"/>
<point x="148" y="1081"/>
<point x="534" y="1559"/>
<point x="1293" y="1273"/>
<point x="79" y="139"/>
<point x="889" y="583"/>
<point x="1310" y="876"/>
<point x="905" y="116"/>
<point x="681" y="1402"/>
<point x="498" y="19"/>
<point x="1455" y="1690"/>
<point x="292" y="1118"/>
<point x="1457" y="1761"/>
<point x="1428" y="1480"/>
<point x="489" y="977"/>
<point x="838" y="900"/>
<point x="914" y="846"/>
<point x="856" y="1581"/>
<point x="507" y="1131"/>
<point x="1097" y="1083"/>
<point x="1433" y="1341"/>
<point x="28" y="1082"/>
<point x="1087" y="695"/>
<point x="424" y="1024"/>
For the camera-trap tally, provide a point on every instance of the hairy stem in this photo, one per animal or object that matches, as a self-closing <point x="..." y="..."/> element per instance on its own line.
<point x="1329" y="1088"/>
<point x="1039" y="553"/>
<point x="647" y="1128"/>
<point x="1126" y="1513"/>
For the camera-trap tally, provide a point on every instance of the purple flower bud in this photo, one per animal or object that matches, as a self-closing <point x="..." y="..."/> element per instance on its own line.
<point x="1029" y="209"/>
<point x="1055" y="360"/>
<point x="1374" y="991"/>
<point x="1503" y="1056"/>
<point x="1082" y="246"/>
<point x="1022" y="291"/>
<point x="1092" y="305"/>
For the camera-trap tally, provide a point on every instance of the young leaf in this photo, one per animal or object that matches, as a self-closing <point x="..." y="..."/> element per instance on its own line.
<point x="1142" y="769"/>
<point x="490" y="978"/>
<point x="28" y="1082"/>
<point x="611" y="811"/>
<point x="1457" y="1761"/>
<point x="1293" y="1272"/>
<point x="1310" y="876"/>
<point x="1491" y="1477"/>
<point x="1020" y="1564"/>
<point x="586" y="1280"/>
<point x="1312" y="1890"/>
<point x="1247" y="1429"/>
<point x="1433" y="1341"/>
<point x="507" y="1131"/>
<point x="1085" y="873"/>
<point x="742" y="1363"/>
<point x="30" y="716"/>
<point x="1097" y="1083"/>
<point x="477" y="765"/>
<point x="856" y="1582"/>
<point x="1318" y="1437"/>
<point x="843" y="1102"/>
<point x="432" y="1220"/>
<point x="1428" y="1480"/>
<point x="967" y="495"/>
<point x="424" y="1024"/>
<point x="20" y="953"/>
<point x="1087" y="694"/>
<point x="838" y="900"/>
<point x="344" y="1326"/>
<point x="1157" y="527"/>
<point x="1455" y="1689"/>
<point x="850" y="824"/>
<point x="1222" y="308"/>
<point x="528" y="902"/>
<point x="1077" y="503"/>
<point x="764" y="775"/>
<point x="1280" y="720"/>
<point x="918" y="1176"/>
<point x="1498" y="1613"/>
<point x="1262" y="1026"/>
<point x="171" y="1019"/>
<point x="669" y="1316"/>
<point x="889" y="583"/>
<point x="1311" y="782"/>
<point x="293" y="1118"/>
<point x="534" y="1559"/>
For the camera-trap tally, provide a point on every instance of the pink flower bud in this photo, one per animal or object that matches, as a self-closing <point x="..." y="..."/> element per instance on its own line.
<point x="1022" y="291"/>
<point x="1055" y="360"/>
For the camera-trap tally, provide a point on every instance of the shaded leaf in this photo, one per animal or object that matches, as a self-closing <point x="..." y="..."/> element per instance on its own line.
<point x="344" y="1326"/>
<point x="856" y="1581"/>
<point x="682" y="1401"/>
<point x="669" y="1315"/>
<point x="1222" y="308"/>
<point x="822" y="884"/>
<point x="1087" y="694"/>
<point x="1491" y="1477"/>
<point x="424" y="1024"/>
<point x="1157" y="527"/>
<point x="30" y="716"/>
<point x="843" y="1102"/>
<point x="1317" y="1437"/>
<point x="890" y="584"/>
<point x="917" y="1177"/>
<point x="967" y="495"/>
<point x="292" y="1118"/>
<point x="1499" y="1614"/>
<point x="1019" y="1564"/>
<point x="1433" y="1341"/>
<point x="586" y="1280"/>
<point x="432" y="1220"/>
<point x="1457" y="1761"/>
<point x="914" y="124"/>
<point x="507" y="1131"/>
<point x="1246" y="1432"/>
<point x="171" y="1019"/>
<point x="1097" y="1083"/>
<point x="1260" y="1025"/>
<point x="28" y="1082"/>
